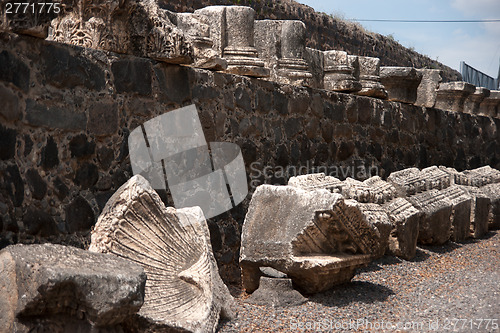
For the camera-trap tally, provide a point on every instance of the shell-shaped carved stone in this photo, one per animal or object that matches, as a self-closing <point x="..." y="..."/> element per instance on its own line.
<point x="183" y="287"/>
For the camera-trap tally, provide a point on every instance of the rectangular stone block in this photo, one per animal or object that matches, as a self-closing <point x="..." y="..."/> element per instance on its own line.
<point x="315" y="60"/>
<point x="461" y="214"/>
<point x="377" y="216"/>
<point x="317" y="181"/>
<point x="407" y="182"/>
<point x="451" y="95"/>
<point x="383" y="191"/>
<point x="369" y="77"/>
<point x="426" y="91"/>
<point x="401" y="83"/>
<point x="435" y="178"/>
<point x="480" y="210"/>
<point x="405" y="221"/>
<point x="492" y="191"/>
<point x="435" y="226"/>
<point x="472" y="102"/>
<point x="490" y="106"/>
<point x="339" y="74"/>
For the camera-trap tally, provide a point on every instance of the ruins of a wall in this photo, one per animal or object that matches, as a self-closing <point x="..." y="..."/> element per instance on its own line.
<point x="325" y="32"/>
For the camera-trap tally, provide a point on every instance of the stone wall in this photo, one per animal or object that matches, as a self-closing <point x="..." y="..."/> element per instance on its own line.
<point x="67" y="111"/>
<point x="325" y="32"/>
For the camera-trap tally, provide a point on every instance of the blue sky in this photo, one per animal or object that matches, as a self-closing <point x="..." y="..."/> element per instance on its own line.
<point x="478" y="44"/>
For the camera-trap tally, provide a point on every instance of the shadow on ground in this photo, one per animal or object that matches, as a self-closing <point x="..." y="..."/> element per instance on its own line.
<point x="353" y="292"/>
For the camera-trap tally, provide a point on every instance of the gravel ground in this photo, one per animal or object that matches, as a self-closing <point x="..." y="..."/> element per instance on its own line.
<point x="444" y="289"/>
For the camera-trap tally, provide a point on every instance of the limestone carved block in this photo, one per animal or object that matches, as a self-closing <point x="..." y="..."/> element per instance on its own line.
<point x="480" y="210"/>
<point x="490" y="106"/>
<point x="233" y="37"/>
<point x="66" y="289"/>
<point x="317" y="181"/>
<point x="451" y="96"/>
<point x="407" y="182"/>
<point x="281" y="44"/>
<point x="339" y="74"/>
<point x="405" y="221"/>
<point x="426" y="91"/>
<point x="377" y="216"/>
<point x="461" y="213"/>
<point x="435" y="178"/>
<point x="435" y="226"/>
<point x="472" y="102"/>
<point x="382" y="191"/>
<point x="137" y="27"/>
<point x="493" y="192"/>
<point x="369" y="77"/>
<point x="401" y="83"/>
<point x="315" y="237"/>
<point x="183" y="289"/>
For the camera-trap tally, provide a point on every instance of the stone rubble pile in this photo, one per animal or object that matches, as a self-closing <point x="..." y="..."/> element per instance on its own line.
<point x="228" y="38"/>
<point x="151" y="268"/>
<point x="318" y="223"/>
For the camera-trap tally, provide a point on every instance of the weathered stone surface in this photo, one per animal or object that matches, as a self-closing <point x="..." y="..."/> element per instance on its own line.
<point x="382" y="191"/>
<point x="10" y="109"/>
<point x="435" y="178"/>
<point x="427" y="89"/>
<point x="65" y="289"/>
<point x="196" y="28"/>
<point x="369" y="77"/>
<point x="276" y="292"/>
<point x="378" y="217"/>
<point x="405" y="221"/>
<point x="472" y="102"/>
<point x="456" y="177"/>
<point x="79" y="215"/>
<point x="14" y="70"/>
<point x="79" y="146"/>
<point x="359" y="191"/>
<point x="36" y="184"/>
<point x="103" y="118"/>
<point x="486" y="173"/>
<point x="8" y="137"/>
<point x="183" y="290"/>
<point x="317" y="181"/>
<point x="339" y="74"/>
<point x="316" y="61"/>
<point x="451" y="95"/>
<point x="315" y="237"/>
<point x="132" y="76"/>
<point x="491" y="105"/>
<point x="435" y="226"/>
<point x="480" y="210"/>
<point x="401" y="83"/>
<point x="38" y="114"/>
<point x="134" y="27"/>
<point x="39" y="223"/>
<point x="50" y="154"/>
<point x="461" y="214"/>
<point x="232" y="34"/>
<point x="493" y="192"/>
<point x="281" y="45"/>
<point x="407" y="182"/>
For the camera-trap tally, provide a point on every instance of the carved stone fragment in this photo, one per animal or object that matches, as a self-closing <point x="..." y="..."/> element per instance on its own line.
<point x="482" y="176"/>
<point x="359" y="191"/>
<point x="493" y="192"/>
<point x="377" y="216"/>
<point x="137" y="27"/>
<point x="405" y="221"/>
<point x="315" y="60"/>
<point x="461" y="214"/>
<point x="435" y="178"/>
<point x="426" y="92"/>
<point x="401" y="83"/>
<point x="183" y="289"/>
<point x="451" y="95"/>
<point x="491" y="105"/>
<point x="315" y="237"/>
<point x="382" y="191"/>
<point x="480" y="210"/>
<point x="196" y="28"/>
<point x="472" y="102"/>
<point x="369" y="77"/>
<point x="435" y="226"/>
<point x="407" y="182"/>
<point x="317" y="181"/>
<point x="232" y="34"/>
<point x="339" y="74"/>
<point x="456" y="177"/>
<point x="65" y="289"/>
<point x="281" y="44"/>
